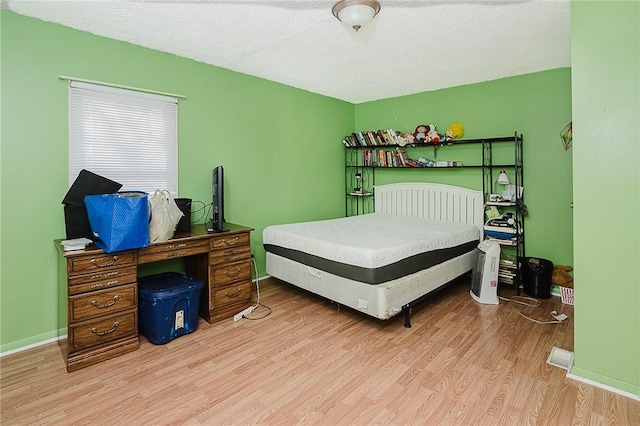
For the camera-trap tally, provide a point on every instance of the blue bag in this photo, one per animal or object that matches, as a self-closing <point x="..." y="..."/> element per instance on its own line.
<point x="119" y="221"/>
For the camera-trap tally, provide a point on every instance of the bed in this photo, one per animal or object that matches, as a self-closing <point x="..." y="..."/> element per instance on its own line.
<point x="420" y="237"/>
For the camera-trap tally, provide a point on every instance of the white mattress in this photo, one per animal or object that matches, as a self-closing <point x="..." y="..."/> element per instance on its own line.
<point x="371" y="240"/>
<point x="381" y="301"/>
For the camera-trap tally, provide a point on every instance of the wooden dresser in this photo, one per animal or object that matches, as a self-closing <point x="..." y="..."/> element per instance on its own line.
<point x="99" y="295"/>
<point x="229" y="271"/>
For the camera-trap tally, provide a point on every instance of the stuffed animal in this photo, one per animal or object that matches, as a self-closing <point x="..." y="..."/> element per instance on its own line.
<point x="455" y="130"/>
<point x="405" y="138"/>
<point x="433" y="135"/>
<point x="420" y="135"/>
<point x="561" y="276"/>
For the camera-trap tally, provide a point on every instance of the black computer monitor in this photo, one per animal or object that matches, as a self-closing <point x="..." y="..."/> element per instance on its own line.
<point x="217" y="204"/>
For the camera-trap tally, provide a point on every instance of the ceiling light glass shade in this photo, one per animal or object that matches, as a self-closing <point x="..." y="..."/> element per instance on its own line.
<point x="356" y="13"/>
<point x="503" y="178"/>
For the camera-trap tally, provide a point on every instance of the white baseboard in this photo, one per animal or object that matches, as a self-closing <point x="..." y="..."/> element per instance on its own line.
<point x="33" y="345"/>
<point x="257" y="280"/>
<point x="61" y="337"/>
<point x="603" y="386"/>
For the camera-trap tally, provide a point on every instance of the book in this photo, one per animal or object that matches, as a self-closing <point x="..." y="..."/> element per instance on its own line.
<point x="502" y="229"/>
<point x="360" y="139"/>
<point x="499" y="235"/>
<point x="75" y="244"/>
<point x="504" y="242"/>
<point x="393" y="135"/>
<point x="402" y="155"/>
<point x="448" y="164"/>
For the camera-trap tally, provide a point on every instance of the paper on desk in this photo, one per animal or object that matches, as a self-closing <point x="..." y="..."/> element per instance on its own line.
<point x="75" y="244"/>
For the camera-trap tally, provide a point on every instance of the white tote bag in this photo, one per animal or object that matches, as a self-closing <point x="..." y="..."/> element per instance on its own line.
<point x="165" y="216"/>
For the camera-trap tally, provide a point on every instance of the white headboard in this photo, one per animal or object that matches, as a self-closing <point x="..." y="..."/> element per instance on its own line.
<point x="431" y="201"/>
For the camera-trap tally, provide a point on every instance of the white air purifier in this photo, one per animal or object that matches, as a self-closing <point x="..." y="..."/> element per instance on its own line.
<point x="484" y="282"/>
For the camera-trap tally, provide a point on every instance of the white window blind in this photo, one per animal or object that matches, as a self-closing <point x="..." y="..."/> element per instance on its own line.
<point x="124" y="135"/>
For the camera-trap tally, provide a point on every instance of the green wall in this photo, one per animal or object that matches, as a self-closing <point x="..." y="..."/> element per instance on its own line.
<point x="537" y="105"/>
<point x="280" y="147"/>
<point x="605" y="41"/>
<point x="278" y="143"/>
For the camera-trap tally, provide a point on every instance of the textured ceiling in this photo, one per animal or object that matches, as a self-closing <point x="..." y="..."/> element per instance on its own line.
<point x="410" y="47"/>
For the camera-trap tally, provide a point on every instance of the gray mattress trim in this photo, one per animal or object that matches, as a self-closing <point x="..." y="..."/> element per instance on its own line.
<point x="379" y="275"/>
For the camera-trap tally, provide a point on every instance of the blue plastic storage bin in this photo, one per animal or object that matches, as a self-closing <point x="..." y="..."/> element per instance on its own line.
<point x="168" y="306"/>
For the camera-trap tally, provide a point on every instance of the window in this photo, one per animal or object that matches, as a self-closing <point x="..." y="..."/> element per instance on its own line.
<point x="127" y="136"/>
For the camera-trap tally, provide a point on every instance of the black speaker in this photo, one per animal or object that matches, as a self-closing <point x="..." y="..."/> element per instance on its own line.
<point x="184" y="204"/>
<point x="76" y="220"/>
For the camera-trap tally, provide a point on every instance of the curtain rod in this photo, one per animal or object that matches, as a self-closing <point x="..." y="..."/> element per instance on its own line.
<point x="120" y="86"/>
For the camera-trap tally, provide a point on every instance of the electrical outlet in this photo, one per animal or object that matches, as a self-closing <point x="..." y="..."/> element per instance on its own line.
<point x="239" y="315"/>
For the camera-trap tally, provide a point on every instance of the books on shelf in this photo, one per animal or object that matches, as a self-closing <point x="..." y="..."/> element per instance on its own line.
<point x="500" y="232"/>
<point x="504" y="242"/>
<point x="371" y="138"/>
<point x="448" y="164"/>
<point x="507" y="269"/>
<point x="384" y="158"/>
<point x="402" y="156"/>
<point x="500" y="203"/>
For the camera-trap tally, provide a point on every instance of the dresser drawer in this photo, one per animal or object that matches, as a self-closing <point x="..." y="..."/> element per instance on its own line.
<point x="101" y="280"/>
<point x="101" y="261"/>
<point x="103" y="330"/>
<point x="97" y="303"/>
<point x="229" y="241"/>
<point x="172" y="250"/>
<point x="230" y="254"/>
<point x="240" y="292"/>
<point x="232" y="272"/>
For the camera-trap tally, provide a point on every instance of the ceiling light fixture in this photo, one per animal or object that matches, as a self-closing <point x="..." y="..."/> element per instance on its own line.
<point x="356" y="13"/>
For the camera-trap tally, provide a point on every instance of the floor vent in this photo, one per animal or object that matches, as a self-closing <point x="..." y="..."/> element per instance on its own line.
<point x="560" y="358"/>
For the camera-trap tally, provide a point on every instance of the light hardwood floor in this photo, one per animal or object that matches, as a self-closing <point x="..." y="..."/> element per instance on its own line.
<point x="310" y="362"/>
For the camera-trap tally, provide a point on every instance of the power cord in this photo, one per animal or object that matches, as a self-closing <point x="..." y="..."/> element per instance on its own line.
<point x="202" y="209"/>
<point x="531" y="302"/>
<point x="255" y="268"/>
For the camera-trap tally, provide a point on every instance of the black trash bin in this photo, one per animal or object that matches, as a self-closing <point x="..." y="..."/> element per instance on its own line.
<point x="536" y="277"/>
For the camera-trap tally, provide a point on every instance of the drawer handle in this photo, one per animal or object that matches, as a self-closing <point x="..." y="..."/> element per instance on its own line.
<point x="106" y="305"/>
<point x="105" y="275"/>
<point x="107" y="284"/>
<point x="104" y="265"/>
<point x="235" y="241"/>
<point x="177" y="254"/>
<point x="176" y="246"/>
<point x="104" y="333"/>
<point x="231" y="296"/>
<point x="238" y="271"/>
<point x="230" y="258"/>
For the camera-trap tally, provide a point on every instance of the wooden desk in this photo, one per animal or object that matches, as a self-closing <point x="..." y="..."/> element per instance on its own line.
<point x="99" y="294"/>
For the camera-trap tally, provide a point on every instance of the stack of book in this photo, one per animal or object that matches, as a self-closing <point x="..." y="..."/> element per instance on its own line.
<point x="501" y="231"/>
<point x="75" y="244"/>
<point x="371" y="138"/>
<point x="507" y="269"/>
<point x="384" y="158"/>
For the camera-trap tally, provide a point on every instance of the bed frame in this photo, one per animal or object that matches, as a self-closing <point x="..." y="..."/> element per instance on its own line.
<point x="422" y="200"/>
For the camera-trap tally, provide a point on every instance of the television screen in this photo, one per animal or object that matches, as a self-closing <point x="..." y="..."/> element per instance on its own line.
<point x="217" y="203"/>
